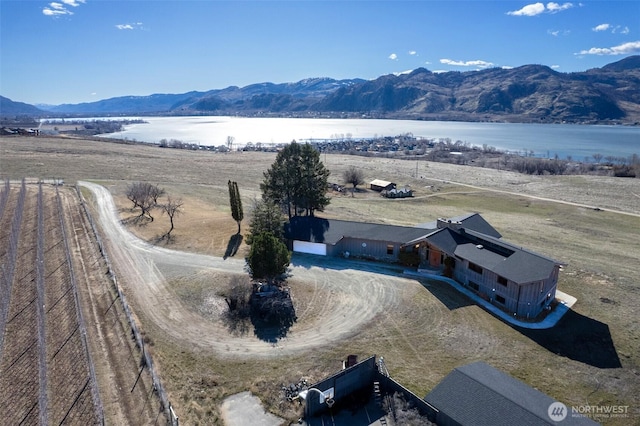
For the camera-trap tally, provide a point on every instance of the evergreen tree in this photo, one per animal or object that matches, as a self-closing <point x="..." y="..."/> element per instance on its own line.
<point x="265" y="216"/>
<point x="236" y="203"/>
<point x="268" y="257"/>
<point x="297" y="180"/>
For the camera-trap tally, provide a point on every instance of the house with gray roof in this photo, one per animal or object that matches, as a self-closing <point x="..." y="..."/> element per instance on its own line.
<point x="466" y="248"/>
<point x="469" y="250"/>
<point x="480" y="395"/>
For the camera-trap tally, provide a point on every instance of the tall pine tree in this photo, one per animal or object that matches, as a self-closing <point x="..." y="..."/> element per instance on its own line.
<point x="297" y="180"/>
<point x="235" y="202"/>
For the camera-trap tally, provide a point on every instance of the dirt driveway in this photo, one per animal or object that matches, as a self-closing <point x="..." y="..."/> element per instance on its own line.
<point x="343" y="299"/>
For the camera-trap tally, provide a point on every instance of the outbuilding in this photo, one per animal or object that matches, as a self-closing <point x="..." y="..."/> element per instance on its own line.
<point x="381" y="185"/>
<point x="478" y="394"/>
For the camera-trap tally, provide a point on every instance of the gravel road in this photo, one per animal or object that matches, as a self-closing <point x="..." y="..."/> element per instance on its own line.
<point x="345" y="298"/>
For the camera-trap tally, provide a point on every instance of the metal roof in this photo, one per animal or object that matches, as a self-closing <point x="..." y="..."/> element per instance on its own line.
<point x="379" y="182"/>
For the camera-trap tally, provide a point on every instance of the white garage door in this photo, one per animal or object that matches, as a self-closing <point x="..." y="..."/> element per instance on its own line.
<point x="311" y="248"/>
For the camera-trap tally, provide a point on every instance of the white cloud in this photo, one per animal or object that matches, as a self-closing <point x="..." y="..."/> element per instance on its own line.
<point x="137" y="25"/>
<point x="555" y="7"/>
<point x="621" y="49"/>
<point x="555" y="67"/>
<point x="606" y="27"/>
<point x="53" y="11"/>
<point x="534" y="9"/>
<point x="413" y="52"/>
<point x="529" y="10"/>
<point x="57" y="9"/>
<point x="393" y="57"/>
<point x="620" y="29"/>
<point x="476" y="63"/>
<point x="74" y="3"/>
<point x="557" y="33"/>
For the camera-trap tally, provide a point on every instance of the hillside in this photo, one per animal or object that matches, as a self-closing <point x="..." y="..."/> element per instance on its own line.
<point x="531" y="93"/>
<point x="9" y="108"/>
<point x="526" y="94"/>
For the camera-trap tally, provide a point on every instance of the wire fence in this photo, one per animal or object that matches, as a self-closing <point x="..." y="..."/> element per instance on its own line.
<point x="4" y="295"/>
<point x="4" y="196"/>
<point x="166" y="407"/>
<point x="97" y="402"/>
<point x="8" y="269"/>
<point x="40" y="317"/>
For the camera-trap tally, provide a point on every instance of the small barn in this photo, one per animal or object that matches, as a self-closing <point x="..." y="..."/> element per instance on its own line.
<point x="478" y="394"/>
<point x="381" y="185"/>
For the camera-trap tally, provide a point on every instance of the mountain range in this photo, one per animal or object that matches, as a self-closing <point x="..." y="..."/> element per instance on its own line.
<point x="530" y="93"/>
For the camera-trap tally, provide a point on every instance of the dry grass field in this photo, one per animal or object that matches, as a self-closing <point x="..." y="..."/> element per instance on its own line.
<point x="592" y="223"/>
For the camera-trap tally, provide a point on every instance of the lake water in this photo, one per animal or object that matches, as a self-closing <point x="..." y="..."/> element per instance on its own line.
<point x="580" y="142"/>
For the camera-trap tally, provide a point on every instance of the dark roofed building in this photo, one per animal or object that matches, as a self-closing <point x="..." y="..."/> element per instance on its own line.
<point x="331" y="237"/>
<point x="467" y="248"/>
<point x="478" y="394"/>
<point x="471" y="221"/>
<point x="517" y="280"/>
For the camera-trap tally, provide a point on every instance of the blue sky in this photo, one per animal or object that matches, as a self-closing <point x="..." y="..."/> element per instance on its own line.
<point x="72" y="51"/>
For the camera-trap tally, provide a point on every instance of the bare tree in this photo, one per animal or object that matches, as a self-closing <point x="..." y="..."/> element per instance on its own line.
<point x="237" y="295"/>
<point x="230" y="141"/>
<point x="144" y="196"/>
<point x="172" y="208"/>
<point x="354" y="176"/>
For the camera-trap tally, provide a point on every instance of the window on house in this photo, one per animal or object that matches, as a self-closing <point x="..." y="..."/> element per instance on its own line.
<point x="500" y="299"/>
<point x="475" y="268"/>
<point x="474" y="286"/>
<point x="389" y="248"/>
<point x="502" y="280"/>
